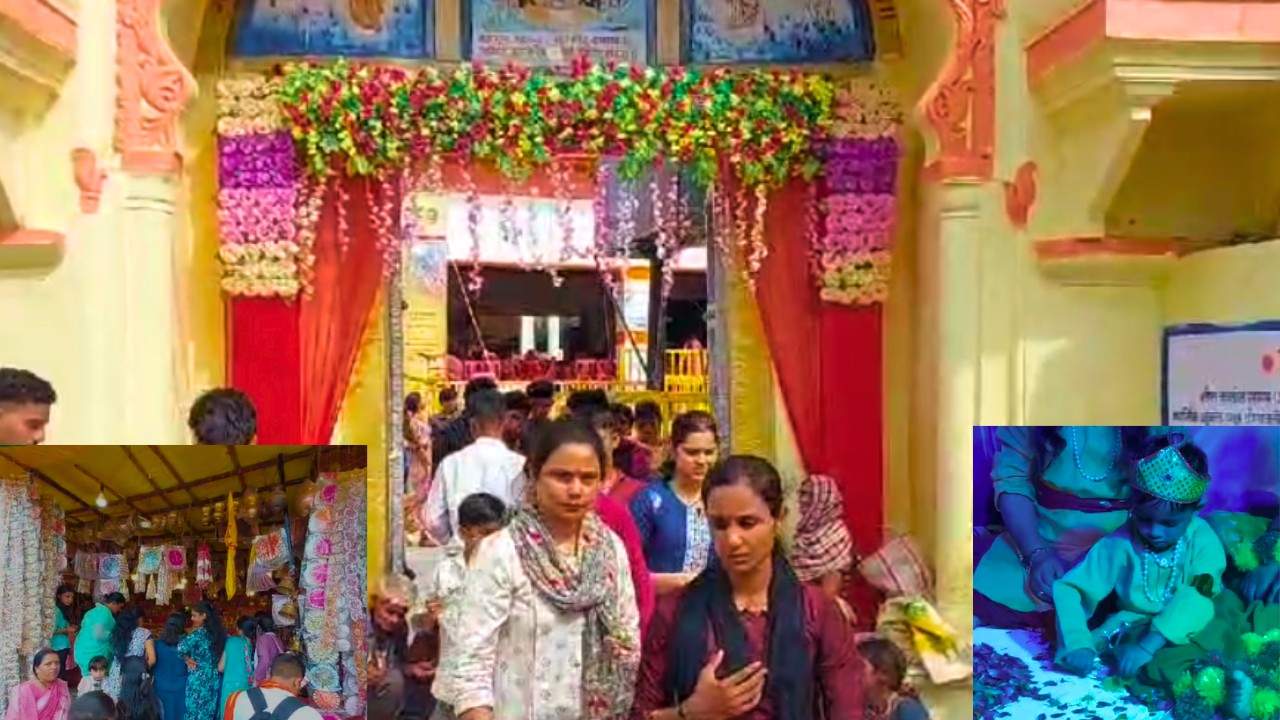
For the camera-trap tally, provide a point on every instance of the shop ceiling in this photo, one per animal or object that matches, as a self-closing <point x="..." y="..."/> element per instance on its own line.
<point x="151" y="480"/>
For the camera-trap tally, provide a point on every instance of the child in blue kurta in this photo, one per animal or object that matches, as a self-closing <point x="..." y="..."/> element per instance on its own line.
<point x="1164" y="565"/>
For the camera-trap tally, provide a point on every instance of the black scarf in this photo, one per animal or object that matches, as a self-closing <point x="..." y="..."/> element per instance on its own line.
<point x="708" y="603"/>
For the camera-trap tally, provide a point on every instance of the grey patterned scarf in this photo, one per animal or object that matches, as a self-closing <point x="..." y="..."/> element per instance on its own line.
<point x="610" y="649"/>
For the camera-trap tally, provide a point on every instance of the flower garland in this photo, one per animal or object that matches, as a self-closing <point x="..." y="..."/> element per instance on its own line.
<point x="266" y="216"/>
<point x="368" y="119"/>
<point x="850" y="245"/>
<point x="26" y="579"/>
<point x="332" y="601"/>
<point x="287" y="139"/>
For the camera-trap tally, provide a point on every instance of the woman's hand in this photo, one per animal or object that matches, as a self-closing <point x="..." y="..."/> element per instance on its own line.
<point x="191" y="664"/>
<point x="1262" y="584"/>
<point x="1046" y="569"/>
<point x="716" y="699"/>
<point x="1078" y="662"/>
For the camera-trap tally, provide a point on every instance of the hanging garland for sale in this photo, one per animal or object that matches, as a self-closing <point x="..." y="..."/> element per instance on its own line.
<point x="285" y="140"/>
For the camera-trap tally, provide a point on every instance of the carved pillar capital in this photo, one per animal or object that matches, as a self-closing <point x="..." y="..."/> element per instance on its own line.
<point x="959" y="106"/>
<point x="154" y="88"/>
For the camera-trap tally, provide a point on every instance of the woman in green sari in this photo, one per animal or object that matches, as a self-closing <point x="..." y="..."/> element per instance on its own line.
<point x="236" y="664"/>
<point x="1059" y="490"/>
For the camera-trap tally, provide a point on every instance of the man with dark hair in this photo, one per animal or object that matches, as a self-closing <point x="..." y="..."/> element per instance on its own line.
<point x="276" y="697"/>
<point x="542" y="395"/>
<point x="456" y="434"/>
<point x="223" y="416"/>
<point x="486" y="465"/>
<point x="517" y="416"/>
<point x="449" y="408"/>
<point x="587" y="401"/>
<point x="25" y="399"/>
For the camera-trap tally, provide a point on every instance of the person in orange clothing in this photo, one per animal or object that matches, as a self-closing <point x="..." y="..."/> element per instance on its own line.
<point x="277" y="696"/>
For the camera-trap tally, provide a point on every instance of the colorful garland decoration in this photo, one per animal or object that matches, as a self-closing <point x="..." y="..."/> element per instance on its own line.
<point x="333" y="591"/>
<point x="371" y="119"/>
<point x="261" y="211"/>
<point x="851" y="248"/>
<point x="27" y="577"/>
<point x="302" y="130"/>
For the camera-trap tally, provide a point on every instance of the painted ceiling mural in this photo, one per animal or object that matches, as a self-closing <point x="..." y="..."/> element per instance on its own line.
<point x="357" y="28"/>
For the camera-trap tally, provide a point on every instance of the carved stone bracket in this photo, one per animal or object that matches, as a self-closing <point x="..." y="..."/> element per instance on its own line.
<point x="960" y="105"/>
<point x="89" y="178"/>
<point x="1099" y="73"/>
<point x="154" y="88"/>
<point x="1020" y="195"/>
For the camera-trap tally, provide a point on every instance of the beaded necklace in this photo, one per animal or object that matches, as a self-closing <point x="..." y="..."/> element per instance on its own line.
<point x="1073" y="434"/>
<point x="1170" y="562"/>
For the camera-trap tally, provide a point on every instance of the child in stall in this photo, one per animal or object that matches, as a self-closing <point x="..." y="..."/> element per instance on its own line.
<point x="889" y="696"/>
<point x="479" y="516"/>
<point x="97" y="676"/>
<point x="1164" y="565"/>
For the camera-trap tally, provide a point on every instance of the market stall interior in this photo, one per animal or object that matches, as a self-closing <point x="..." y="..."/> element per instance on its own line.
<point x="272" y="538"/>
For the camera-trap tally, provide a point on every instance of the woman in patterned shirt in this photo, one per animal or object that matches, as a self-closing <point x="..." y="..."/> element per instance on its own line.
<point x="669" y="513"/>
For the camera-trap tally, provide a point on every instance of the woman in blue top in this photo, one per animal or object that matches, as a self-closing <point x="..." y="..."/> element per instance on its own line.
<point x="669" y="513"/>
<point x="63" y="626"/>
<point x="171" y="669"/>
<point x="201" y="648"/>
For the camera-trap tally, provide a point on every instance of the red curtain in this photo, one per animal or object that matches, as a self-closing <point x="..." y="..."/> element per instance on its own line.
<point x="348" y="276"/>
<point x="295" y="358"/>
<point x="828" y="361"/>
<point x="265" y="362"/>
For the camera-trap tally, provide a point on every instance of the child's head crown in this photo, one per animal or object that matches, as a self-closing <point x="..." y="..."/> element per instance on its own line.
<point x="1167" y="475"/>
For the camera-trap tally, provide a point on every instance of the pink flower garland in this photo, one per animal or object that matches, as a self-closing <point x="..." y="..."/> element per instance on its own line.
<point x="257" y="215"/>
<point x="851" y="250"/>
<point x="267" y="227"/>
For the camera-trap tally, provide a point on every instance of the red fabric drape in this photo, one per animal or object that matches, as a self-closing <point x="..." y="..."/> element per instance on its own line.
<point x="828" y="361"/>
<point x="265" y="363"/>
<point x="348" y="275"/>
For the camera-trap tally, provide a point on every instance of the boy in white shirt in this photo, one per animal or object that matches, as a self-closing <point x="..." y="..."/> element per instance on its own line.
<point x="479" y="516"/>
<point x="96" y="677"/>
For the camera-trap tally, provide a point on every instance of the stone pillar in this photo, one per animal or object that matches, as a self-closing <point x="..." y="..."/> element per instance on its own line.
<point x="153" y="89"/>
<point x="951" y="282"/>
<point x="147" y="227"/>
<point x="961" y="331"/>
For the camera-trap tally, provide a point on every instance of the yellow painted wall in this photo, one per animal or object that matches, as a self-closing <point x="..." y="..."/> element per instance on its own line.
<point x="61" y="321"/>
<point x="362" y="420"/>
<point x="1226" y="285"/>
<point x="198" y="30"/>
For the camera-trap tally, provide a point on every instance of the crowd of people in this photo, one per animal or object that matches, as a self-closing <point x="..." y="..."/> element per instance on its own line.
<point x="106" y="664"/>
<point x="593" y="568"/>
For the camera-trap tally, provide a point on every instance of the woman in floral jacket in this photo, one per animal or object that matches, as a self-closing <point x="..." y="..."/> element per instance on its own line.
<point x="551" y="590"/>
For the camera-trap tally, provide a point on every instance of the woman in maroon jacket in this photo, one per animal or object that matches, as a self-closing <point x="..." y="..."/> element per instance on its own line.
<point x="746" y="639"/>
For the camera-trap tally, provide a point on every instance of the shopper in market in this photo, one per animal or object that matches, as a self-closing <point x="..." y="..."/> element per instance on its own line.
<point x="45" y="696"/>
